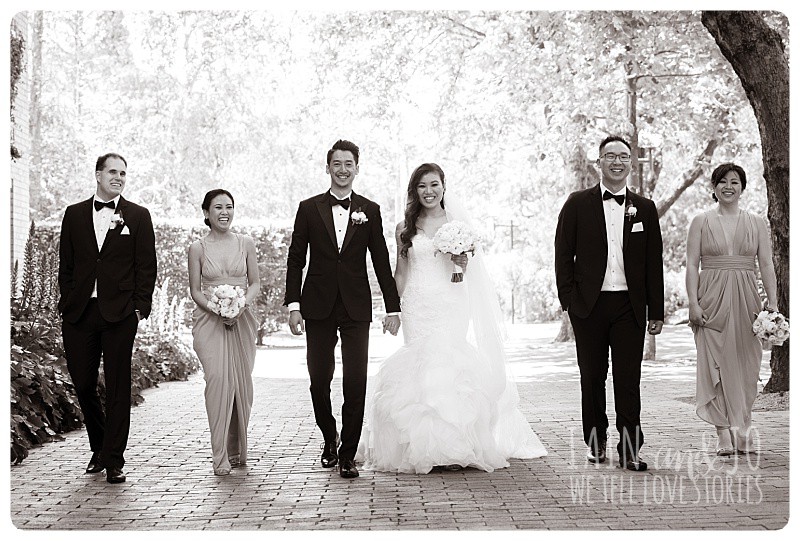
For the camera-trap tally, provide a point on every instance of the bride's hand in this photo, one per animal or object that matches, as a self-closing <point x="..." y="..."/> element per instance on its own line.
<point x="461" y="260"/>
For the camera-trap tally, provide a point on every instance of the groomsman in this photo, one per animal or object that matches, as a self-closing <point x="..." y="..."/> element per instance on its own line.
<point x="610" y="278"/>
<point x="106" y="275"/>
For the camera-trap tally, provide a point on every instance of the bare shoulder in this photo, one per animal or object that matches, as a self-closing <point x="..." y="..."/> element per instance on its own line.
<point x="248" y="242"/>
<point x="698" y="220"/>
<point x="195" y="248"/>
<point x="400" y="226"/>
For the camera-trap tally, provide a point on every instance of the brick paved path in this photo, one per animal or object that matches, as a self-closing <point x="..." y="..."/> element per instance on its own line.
<point x="170" y="484"/>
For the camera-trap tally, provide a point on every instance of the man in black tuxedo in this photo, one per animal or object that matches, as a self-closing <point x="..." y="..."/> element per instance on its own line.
<point x="610" y="278"/>
<point x="339" y="226"/>
<point x="106" y="275"/>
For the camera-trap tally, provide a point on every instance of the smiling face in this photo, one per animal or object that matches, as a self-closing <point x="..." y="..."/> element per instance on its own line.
<point x="729" y="188"/>
<point x="430" y="190"/>
<point x="343" y="170"/>
<point x="615" y="171"/>
<point x="111" y="180"/>
<point x="220" y="213"/>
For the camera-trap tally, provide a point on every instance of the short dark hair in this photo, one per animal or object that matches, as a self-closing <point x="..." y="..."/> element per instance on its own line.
<point x="101" y="161"/>
<point x="722" y="170"/>
<point x="206" y="205"/>
<point x="611" y="139"/>
<point x="343" y="144"/>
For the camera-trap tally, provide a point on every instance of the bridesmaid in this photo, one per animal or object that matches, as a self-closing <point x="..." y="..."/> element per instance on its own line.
<point x="723" y="302"/>
<point x="225" y="346"/>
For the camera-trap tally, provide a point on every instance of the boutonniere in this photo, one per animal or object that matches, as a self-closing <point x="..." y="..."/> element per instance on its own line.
<point x="630" y="212"/>
<point x="116" y="220"/>
<point x="358" y="217"/>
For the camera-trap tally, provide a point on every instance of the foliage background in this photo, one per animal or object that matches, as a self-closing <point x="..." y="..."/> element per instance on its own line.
<point x="512" y="104"/>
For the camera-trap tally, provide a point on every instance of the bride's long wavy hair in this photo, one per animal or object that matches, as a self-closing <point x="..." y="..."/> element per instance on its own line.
<point x="413" y="206"/>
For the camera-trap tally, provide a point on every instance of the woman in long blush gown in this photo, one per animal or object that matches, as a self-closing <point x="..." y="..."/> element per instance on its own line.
<point x="440" y="400"/>
<point x="723" y="303"/>
<point x="225" y="345"/>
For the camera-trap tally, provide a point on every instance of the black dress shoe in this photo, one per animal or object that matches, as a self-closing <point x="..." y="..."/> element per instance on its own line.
<point x="115" y="475"/>
<point x="330" y="453"/>
<point x="347" y="468"/>
<point x="94" y="464"/>
<point x="633" y="465"/>
<point x="597" y="456"/>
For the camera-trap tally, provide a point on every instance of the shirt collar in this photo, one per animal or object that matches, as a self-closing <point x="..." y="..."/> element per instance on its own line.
<point x="340" y="198"/>
<point x="621" y="192"/>
<point x="115" y="200"/>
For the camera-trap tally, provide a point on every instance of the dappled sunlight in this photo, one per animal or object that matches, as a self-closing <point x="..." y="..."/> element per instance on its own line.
<point x="532" y="355"/>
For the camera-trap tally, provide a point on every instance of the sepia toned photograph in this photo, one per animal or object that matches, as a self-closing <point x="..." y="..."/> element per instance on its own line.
<point x="455" y="269"/>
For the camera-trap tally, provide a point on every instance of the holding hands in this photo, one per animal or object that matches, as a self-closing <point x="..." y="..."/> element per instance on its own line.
<point x="391" y="324"/>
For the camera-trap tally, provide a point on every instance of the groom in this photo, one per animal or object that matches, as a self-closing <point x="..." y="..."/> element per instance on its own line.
<point x="609" y="273"/>
<point x="339" y="226"/>
<point x="106" y="275"/>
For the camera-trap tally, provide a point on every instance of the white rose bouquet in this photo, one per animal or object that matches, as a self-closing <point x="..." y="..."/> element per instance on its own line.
<point x="455" y="238"/>
<point x="771" y="327"/>
<point x="226" y="300"/>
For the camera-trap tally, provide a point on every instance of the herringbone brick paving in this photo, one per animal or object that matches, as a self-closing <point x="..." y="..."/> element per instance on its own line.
<point x="171" y="487"/>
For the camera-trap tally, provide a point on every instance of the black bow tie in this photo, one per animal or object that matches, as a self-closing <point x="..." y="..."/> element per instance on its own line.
<point x="618" y="198"/>
<point x="335" y="201"/>
<point x="98" y="205"/>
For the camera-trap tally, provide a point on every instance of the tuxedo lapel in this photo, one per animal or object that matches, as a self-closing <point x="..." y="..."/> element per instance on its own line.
<point x="113" y="233"/>
<point x="627" y="223"/>
<point x="596" y="202"/>
<point x="356" y="203"/>
<point x="86" y="218"/>
<point x="324" y="208"/>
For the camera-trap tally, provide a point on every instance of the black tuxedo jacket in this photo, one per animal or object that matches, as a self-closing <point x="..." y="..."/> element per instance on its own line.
<point x="331" y="273"/>
<point x="125" y="266"/>
<point x="581" y="252"/>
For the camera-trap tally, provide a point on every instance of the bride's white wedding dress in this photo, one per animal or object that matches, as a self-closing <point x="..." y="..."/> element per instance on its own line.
<point x="437" y="400"/>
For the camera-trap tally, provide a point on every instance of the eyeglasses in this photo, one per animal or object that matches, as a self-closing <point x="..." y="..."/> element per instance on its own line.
<point x="610" y="157"/>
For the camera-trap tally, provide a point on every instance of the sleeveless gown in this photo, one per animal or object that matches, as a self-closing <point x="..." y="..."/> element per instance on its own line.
<point x="227" y="355"/>
<point x="430" y="406"/>
<point x="728" y="353"/>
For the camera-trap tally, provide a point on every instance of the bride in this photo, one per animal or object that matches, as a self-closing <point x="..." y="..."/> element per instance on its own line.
<point x="443" y="399"/>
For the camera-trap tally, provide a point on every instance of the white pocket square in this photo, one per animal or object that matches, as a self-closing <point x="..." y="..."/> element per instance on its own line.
<point x="125" y="231"/>
<point x="637" y="227"/>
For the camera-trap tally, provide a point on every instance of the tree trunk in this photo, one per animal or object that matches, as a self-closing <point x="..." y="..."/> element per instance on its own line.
<point x="756" y="54"/>
<point x="565" y="333"/>
<point x="36" y="111"/>
<point x="689" y="177"/>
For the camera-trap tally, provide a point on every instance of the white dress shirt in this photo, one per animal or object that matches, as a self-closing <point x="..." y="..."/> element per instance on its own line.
<point x="614" y="279"/>
<point x="101" y="220"/>
<point x="340" y="217"/>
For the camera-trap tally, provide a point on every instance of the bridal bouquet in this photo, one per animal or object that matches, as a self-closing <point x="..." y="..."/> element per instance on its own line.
<point x="771" y="327"/>
<point x="226" y="300"/>
<point x="455" y="238"/>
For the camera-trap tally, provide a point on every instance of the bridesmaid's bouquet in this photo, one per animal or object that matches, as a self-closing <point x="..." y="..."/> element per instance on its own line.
<point x="771" y="327"/>
<point x="455" y="238"/>
<point x="226" y="300"/>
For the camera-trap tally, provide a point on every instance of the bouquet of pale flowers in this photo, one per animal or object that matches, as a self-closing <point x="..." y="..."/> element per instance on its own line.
<point x="226" y="300"/>
<point x="455" y="238"/>
<point x="771" y="327"/>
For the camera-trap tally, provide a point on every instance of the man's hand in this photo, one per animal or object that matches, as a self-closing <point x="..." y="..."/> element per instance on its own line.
<point x="654" y="326"/>
<point x="296" y="324"/>
<point x="391" y="324"/>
